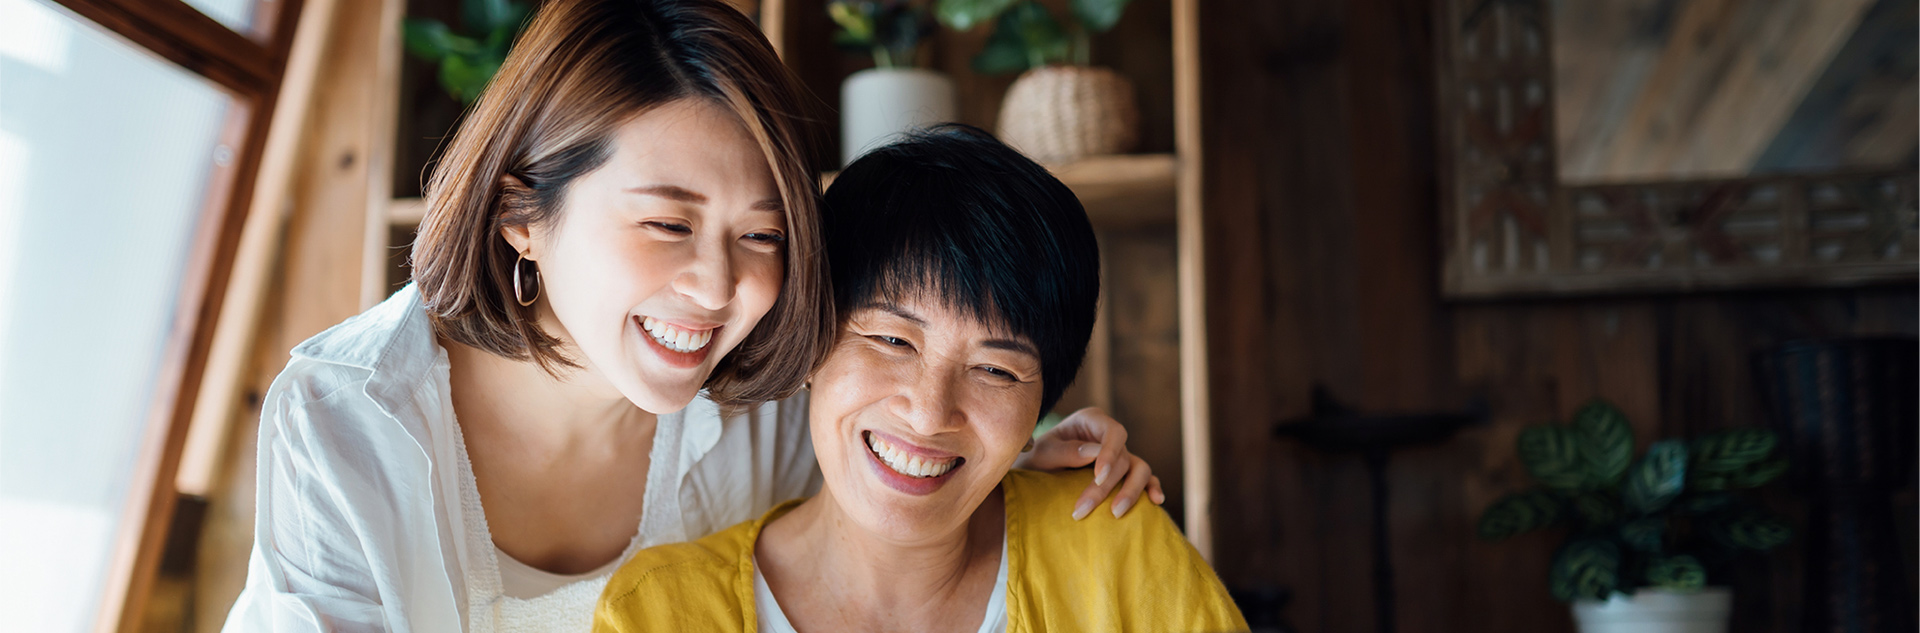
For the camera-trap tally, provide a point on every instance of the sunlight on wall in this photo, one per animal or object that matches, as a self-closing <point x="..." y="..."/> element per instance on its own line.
<point x="105" y="153"/>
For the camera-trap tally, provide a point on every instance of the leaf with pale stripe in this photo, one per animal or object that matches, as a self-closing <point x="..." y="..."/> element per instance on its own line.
<point x="1658" y="478"/>
<point x="1753" y="531"/>
<point x="1606" y="442"/>
<point x="1646" y="534"/>
<point x="1585" y="569"/>
<point x="1552" y="456"/>
<point x="1518" y="513"/>
<point x="1676" y="572"/>
<point x="1732" y="450"/>
<point x="1759" y="474"/>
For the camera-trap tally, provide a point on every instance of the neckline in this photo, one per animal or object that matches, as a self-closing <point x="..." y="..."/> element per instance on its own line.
<point x="485" y="583"/>
<point x="775" y="615"/>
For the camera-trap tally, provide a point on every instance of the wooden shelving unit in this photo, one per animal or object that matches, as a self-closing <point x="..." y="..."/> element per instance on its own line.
<point x="1147" y="363"/>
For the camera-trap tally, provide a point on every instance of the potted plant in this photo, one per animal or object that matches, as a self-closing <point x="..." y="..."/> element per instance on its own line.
<point x="468" y="60"/>
<point x="895" y="95"/>
<point x="1645" y="537"/>
<point x="1060" y="108"/>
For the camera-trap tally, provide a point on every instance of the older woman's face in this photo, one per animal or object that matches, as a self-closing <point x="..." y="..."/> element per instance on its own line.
<point x="918" y="413"/>
<point x="662" y="260"/>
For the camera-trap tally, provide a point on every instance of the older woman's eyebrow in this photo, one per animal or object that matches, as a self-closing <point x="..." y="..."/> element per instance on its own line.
<point x="895" y="310"/>
<point x="1011" y="345"/>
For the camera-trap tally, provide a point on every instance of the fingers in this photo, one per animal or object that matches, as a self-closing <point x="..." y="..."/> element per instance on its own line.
<point x="1113" y="452"/>
<point x="1138" y="476"/>
<point x="1155" y="493"/>
<point x="1100" y="489"/>
<point x="1052" y="453"/>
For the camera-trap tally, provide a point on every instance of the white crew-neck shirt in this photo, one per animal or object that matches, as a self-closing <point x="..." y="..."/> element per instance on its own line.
<point x="771" y="619"/>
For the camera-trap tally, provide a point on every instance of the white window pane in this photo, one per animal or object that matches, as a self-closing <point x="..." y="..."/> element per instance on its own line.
<point x="105" y="156"/>
<point x="236" y="14"/>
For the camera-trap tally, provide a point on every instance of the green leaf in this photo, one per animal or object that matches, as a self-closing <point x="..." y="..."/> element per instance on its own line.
<point x="1676" y="572"/>
<point x="1517" y="513"/>
<point x="1657" y="479"/>
<point x="856" y="22"/>
<point x="1758" y="474"/>
<point x="1588" y="568"/>
<point x="1046" y="42"/>
<point x="481" y="16"/>
<point x="1645" y="534"/>
<point x="1729" y="451"/>
<point x="962" y="15"/>
<point x="1606" y="442"/>
<point x="465" y="77"/>
<point x="1002" y="54"/>
<point x="1752" y="531"/>
<point x="1552" y="456"/>
<point x="431" y="40"/>
<point x="1596" y="508"/>
<point x="1098" y="16"/>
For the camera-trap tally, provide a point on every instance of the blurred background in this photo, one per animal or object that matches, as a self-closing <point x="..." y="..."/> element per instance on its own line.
<point x="1432" y="315"/>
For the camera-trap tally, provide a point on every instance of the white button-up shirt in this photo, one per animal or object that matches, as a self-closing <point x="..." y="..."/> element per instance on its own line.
<point x="361" y="525"/>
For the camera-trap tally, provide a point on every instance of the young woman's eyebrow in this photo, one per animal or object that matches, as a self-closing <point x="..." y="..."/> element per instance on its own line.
<point x="683" y="194"/>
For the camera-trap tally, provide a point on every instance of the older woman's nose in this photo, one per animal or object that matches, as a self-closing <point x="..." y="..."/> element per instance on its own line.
<point x="929" y="402"/>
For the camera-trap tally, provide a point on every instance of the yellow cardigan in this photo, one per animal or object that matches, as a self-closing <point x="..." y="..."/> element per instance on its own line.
<point x="1131" y="574"/>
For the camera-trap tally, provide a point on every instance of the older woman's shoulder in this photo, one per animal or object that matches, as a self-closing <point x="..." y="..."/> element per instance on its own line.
<point x="695" y="585"/>
<point x="1045" y="500"/>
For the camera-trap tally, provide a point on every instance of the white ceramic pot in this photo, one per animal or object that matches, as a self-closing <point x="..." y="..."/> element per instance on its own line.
<point x="1657" y="611"/>
<point x="878" y="103"/>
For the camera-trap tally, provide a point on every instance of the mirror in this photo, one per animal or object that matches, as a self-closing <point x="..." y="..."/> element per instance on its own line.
<point x="1676" y="145"/>
<point x="1670" y="89"/>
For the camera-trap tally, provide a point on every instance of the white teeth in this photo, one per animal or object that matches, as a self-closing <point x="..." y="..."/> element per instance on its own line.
<point x="674" y="338"/>
<point x="906" y="464"/>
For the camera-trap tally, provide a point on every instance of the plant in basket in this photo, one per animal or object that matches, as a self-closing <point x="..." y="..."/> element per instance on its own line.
<point x="1060" y="108"/>
<point x="468" y="60"/>
<point x="1643" y="535"/>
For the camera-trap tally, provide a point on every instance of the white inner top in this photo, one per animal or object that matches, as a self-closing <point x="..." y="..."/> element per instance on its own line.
<point x="772" y="620"/>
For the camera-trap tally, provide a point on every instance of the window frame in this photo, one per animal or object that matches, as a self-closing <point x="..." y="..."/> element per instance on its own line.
<point x="250" y="67"/>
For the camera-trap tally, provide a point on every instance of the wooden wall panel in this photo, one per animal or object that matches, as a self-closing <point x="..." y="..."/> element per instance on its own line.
<point x="1321" y="211"/>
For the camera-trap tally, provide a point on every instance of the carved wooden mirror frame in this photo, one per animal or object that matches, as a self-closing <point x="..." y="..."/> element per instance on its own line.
<point x="1511" y="228"/>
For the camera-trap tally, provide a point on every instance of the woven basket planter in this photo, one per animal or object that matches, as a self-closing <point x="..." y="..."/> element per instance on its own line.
<point x="1058" y="114"/>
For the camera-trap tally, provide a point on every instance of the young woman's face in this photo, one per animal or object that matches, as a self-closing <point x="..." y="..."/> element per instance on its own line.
<point x="918" y="413"/>
<point x="661" y="261"/>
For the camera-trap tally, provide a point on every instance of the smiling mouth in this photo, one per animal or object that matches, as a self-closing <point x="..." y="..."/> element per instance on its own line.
<point x="675" y="338"/>
<point x="909" y="464"/>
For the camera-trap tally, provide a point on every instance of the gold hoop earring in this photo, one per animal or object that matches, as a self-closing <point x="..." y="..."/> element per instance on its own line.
<point x="1029" y="447"/>
<point x="517" y="285"/>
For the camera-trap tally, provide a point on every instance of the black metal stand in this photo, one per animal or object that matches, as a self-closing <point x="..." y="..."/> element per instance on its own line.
<point x="1336" y="428"/>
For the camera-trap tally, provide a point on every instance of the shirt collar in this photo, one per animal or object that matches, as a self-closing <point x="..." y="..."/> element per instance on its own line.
<point x="393" y="340"/>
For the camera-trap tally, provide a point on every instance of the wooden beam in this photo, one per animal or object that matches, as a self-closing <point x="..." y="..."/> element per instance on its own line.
<point x="1196" y="421"/>
<point x="221" y="394"/>
<point x="183" y="35"/>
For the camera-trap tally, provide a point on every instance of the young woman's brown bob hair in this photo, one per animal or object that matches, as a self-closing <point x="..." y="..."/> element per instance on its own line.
<point x="581" y="69"/>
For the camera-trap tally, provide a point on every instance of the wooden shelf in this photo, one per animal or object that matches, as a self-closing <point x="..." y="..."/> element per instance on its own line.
<point x="1127" y="191"/>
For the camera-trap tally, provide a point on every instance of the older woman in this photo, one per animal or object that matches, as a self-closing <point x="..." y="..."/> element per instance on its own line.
<point x="965" y="278"/>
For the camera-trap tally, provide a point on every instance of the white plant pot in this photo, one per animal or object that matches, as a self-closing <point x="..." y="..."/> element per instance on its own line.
<point x="879" y="103"/>
<point x="1657" y="611"/>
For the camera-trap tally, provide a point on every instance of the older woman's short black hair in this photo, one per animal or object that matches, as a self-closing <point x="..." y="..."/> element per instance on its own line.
<point x="952" y="212"/>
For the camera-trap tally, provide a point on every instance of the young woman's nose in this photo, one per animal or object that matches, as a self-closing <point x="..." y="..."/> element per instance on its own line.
<point x="708" y="281"/>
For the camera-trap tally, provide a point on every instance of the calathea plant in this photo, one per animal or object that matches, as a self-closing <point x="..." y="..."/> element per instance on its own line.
<point x="468" y="60"/>
<point x="1673" y="519"/>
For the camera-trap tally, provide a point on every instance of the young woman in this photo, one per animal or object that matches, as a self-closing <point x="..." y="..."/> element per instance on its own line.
<point x="618" y="292"/>
<point x="965" y="278"/>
